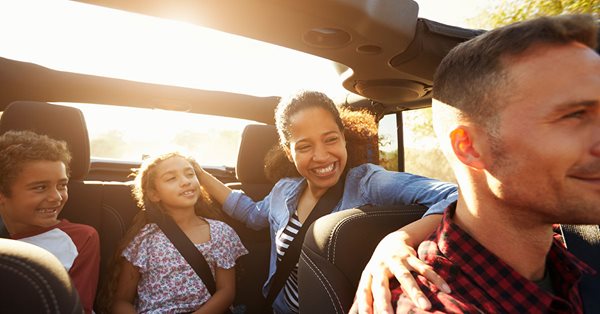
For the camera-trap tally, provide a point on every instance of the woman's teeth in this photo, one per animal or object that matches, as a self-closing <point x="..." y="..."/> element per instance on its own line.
<point x="324" y="169"/>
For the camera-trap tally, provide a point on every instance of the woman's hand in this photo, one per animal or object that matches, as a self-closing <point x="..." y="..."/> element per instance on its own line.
<point x="395" y="256"/>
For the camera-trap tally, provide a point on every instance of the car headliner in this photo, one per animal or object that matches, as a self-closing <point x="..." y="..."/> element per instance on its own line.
<point x="383" y="51"/>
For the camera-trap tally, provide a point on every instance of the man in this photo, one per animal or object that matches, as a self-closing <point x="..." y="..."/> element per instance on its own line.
<point x="517" y="113"/>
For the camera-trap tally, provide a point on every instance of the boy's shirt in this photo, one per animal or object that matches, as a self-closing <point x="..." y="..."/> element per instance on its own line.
<point x="77" y="247"/>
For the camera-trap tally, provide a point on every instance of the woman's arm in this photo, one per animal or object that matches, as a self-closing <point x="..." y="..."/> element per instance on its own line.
<point x="126" y="289"/>
<point x="395" y="256"/>
<point x="214" y="187"/>
<point x="236" y="204"/>
<point x="385" y="187"/>
<point x="223" y="297"/>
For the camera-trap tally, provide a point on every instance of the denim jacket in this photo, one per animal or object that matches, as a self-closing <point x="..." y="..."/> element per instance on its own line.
<point x="367" y="184"/>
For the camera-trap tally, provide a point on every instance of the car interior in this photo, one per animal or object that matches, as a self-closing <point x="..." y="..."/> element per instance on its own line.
<point x="384" y="53"/>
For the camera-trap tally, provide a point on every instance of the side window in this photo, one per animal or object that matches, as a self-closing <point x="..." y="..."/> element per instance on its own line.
<point x="388" y="142"/>
<point x="422" y="155"/>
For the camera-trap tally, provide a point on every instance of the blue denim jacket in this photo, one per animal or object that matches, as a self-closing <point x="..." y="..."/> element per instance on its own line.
<point x="366" y="184"/>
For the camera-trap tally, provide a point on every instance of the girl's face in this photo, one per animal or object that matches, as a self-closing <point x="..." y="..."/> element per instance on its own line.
<point x="176" y="184"/>
<point x="317" y="147"/>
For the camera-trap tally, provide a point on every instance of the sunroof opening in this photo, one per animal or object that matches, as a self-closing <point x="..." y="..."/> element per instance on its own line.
<point x="78" y="37"/>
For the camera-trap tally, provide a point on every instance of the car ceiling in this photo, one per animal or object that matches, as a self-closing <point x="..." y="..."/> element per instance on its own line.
<point x="383" y="52"/>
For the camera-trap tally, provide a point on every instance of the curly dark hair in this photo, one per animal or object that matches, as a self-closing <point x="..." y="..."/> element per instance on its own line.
<point x="360" y="131"/>
<point x="20" y="147"/>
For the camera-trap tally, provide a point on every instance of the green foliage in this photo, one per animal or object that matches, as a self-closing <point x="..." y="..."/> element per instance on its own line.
<point x="510" y="11"/>
<point x="389" y="160"/>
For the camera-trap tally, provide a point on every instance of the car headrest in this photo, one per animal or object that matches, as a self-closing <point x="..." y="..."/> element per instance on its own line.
<point x="257" y="140"/>
<point x="34" y="281"/>
<point x="58" y="122"/>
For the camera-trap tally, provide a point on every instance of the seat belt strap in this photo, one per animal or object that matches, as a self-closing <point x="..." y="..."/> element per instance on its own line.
<point x="287" y="263"/>
<point x="183" y="244"/>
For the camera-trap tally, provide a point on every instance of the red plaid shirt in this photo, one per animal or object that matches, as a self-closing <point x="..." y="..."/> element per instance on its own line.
<point x="482" y="283"/>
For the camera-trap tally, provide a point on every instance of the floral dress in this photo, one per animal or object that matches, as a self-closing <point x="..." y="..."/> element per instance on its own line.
<point x="168" y="284"/>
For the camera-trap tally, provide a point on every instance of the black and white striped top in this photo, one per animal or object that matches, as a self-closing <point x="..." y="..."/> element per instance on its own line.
<point x="282" y="243"/>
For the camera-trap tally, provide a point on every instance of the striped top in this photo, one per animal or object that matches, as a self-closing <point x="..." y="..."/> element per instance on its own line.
<point x="282" y="243"/>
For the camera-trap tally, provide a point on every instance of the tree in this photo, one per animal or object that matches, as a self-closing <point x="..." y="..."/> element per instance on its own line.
<point x="510" y="11"/>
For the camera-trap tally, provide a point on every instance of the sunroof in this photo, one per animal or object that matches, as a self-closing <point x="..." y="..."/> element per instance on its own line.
<point x="83" y="38"/>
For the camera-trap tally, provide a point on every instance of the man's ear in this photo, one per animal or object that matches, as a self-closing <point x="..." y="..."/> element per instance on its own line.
<point x="462" y="140"/>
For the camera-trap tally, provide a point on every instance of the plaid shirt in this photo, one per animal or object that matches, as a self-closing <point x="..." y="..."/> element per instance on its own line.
<point x="482" y="283"/>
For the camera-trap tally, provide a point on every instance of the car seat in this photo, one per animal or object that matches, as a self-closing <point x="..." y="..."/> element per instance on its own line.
<point x="256" y="141"/>
<point x="336" y="249"/>
<point x="106" y="206"/>
<point x="34" y="281"/>
<point x="584" y="242"/>
<point x="252" y="269"/>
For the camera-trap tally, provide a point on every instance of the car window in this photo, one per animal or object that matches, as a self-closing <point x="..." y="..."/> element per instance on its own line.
<point x="421" y="151"/>
<point x="129" y="134"/>
<point x="422" y="154"/>
<point x="388" y="142"/>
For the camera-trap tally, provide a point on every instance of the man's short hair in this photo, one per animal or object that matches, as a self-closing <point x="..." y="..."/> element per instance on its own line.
<point x="472" y="77"/>
<point x="20" y="147"/>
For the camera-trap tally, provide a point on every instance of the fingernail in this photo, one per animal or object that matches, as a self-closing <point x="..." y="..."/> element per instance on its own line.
<point x="423" y="303"/>
<point x="446" y="288"/>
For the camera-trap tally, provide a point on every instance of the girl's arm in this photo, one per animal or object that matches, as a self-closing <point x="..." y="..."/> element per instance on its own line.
<point x="126" y="289"/>
<point x="395" y="256"/>
<point x="223" y="297"/>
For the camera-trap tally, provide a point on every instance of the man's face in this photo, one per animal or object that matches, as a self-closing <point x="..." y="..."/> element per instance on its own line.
<point x="547" y="153"/>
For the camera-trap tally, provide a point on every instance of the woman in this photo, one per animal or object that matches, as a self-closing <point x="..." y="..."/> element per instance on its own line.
<point x="311" y="133"/>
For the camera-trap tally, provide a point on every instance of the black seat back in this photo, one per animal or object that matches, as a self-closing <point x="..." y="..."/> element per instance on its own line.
<point x="34" y="281"/>
<point x="584" y="242"/>
<point x="58" y="122"/>
<point x="256" y="141"/>
<point x="336" y="249"/>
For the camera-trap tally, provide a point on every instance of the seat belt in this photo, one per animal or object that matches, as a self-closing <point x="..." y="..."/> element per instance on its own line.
<point x="183" y="244"/>
<point x="284" y="267"/>
<point x="584" y="242"/>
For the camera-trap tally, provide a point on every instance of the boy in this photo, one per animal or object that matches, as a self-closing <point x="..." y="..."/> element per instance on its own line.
<point x="33" y="190"/>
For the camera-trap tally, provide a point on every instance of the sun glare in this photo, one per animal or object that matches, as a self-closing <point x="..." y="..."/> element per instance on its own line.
<point x="83" y="38"/>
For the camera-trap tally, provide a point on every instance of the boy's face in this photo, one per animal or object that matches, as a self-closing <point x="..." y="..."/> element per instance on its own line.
<point x="38" y="194"/>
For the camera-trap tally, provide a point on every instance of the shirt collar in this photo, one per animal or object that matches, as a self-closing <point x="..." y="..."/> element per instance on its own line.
<point x="468" y="256"/>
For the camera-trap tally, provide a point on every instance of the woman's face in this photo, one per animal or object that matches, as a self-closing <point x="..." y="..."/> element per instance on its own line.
<point x="317" y="147"/>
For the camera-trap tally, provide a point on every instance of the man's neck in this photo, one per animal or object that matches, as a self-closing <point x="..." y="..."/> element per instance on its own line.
<point x="517" y="240"/>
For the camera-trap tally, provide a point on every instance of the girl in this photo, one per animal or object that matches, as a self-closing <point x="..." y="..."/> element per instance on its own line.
<point x="311" y="133"/>
<point x="153" y="276"/>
